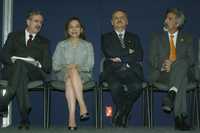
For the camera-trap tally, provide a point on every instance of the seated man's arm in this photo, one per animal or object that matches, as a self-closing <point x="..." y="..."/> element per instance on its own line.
<point x="8" y="49"/>
<point x="46" y="60"/>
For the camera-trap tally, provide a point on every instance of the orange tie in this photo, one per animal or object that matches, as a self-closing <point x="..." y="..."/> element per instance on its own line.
<point x="172" y="55"/>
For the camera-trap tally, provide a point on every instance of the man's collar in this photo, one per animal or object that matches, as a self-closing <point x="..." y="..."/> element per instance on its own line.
<point x="27" y="33"/>
<point x="122" y="32"/>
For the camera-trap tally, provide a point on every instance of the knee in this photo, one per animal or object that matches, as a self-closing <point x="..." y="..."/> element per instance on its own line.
<point x="114" y="85"/>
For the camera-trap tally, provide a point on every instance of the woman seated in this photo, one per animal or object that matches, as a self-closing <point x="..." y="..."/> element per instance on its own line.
<point x="73" y="62"/>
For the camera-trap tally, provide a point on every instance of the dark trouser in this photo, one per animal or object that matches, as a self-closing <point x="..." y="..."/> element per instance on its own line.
<point x="19" y="75"/>
<point x="125" y="90"/>
<point x="177" y="78"/>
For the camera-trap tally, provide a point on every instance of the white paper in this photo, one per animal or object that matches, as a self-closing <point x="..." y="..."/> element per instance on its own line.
<point x="27" y="59"/>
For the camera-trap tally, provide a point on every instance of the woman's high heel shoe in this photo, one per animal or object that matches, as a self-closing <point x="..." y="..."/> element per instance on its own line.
<point x="84" y="116"/>
<point x="72" y="128"/>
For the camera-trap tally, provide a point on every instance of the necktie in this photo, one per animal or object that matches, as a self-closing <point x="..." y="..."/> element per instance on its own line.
<point x="29" y="40"/>
<point x="121" y="40"/>
<point x="172" y="55"/>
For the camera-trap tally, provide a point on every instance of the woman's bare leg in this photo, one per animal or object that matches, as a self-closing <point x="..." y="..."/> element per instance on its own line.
<point x="71" y="100"/>
<point x="78" y="89"/>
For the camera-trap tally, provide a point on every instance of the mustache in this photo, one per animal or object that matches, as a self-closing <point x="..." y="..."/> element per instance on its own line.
<point x="165" y="26"/>
<point x="38" y="27"/>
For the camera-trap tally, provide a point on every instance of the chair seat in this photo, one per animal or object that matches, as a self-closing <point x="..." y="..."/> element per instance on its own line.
<point x="35" y="84"/>
<point x="60" y="85"/>
<point x="3" y="83"/>
<point x="157" y="86"/>
<point x="31" y="85"/>
<point x="105" y="86"/>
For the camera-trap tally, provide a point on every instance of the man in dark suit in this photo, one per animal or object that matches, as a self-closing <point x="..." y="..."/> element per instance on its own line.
<point x="170" y="57"/>
<point x="122" y="66"/>
<point x="30" y="45"/>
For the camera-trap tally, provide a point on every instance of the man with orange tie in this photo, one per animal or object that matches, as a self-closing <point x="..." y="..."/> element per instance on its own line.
<point x="170" y="57"/>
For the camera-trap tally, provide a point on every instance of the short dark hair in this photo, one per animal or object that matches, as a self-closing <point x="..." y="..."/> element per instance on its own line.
<point x="180" y="17"/>
<point x="120" y="10"/>
<point x="82" y="35"/>
<point x="32" y="13"/>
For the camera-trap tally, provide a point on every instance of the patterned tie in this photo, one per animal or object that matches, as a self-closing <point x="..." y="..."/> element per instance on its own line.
<point x="172" y="55"/>
<point x="121" y="40"/>
<point x="29" y="40"/>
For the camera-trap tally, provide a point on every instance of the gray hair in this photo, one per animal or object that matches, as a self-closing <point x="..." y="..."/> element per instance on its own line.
<point x="32" y="13"/>
<point x="180" y="17"/>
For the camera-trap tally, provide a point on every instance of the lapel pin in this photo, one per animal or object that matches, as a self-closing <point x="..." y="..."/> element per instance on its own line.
<point x="181" y="39"/>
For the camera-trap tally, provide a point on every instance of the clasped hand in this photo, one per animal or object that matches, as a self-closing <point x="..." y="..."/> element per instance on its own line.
<point x="116" y="59"/>
<point x="166" y="66"/>
<point x="71" y="66"/>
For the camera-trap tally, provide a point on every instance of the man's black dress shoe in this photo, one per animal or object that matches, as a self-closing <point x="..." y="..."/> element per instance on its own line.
<point x="125" y="118"/>
<point x="72" y="128"/>
<point x="84" y="116"/>
<point x="4" y="101"/>
<point x="168" y="102"/>
<point x="180" y="124"/>
<point x="116" y="119"/>
<point x="3" y="111"/>
<point x="24" y="125"/>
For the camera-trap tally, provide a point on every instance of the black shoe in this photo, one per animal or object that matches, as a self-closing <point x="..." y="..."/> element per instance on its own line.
<point x="3" y="111"/>
<point x="72" y="128"/>
<point x="125" y="118"/>
<point x="84" y="116"/>
<point x="180" y="124"/>
<point x="116" y="119"/>
<point x="4" y="101"/>
<point x="24" y="125"/>
<point x="168" y="102"/>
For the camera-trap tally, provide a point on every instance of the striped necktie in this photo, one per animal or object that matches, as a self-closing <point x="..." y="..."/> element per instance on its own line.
<point x="121" y="40"/>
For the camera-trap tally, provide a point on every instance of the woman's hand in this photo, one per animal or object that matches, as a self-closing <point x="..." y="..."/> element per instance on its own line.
<point x="70" y="66"/>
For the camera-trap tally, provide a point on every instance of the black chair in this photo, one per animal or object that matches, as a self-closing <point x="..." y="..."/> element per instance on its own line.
<point x="38" y="85"/>
<point x="104" y="86"/>
<point x="55" y="85"/>
<point x="159" y="87"/>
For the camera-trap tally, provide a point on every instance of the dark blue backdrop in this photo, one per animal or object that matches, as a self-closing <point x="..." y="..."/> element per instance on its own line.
<point x="145" y="17"/>
<point x="1" y="12"/>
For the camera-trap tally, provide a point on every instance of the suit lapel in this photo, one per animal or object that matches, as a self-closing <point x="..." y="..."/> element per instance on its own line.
<point x="165" y="42"/>
<point x="128" y="41"/>
<point x="22" y="39"/>
<point x="180" y="39"/>
<point x="116" y="39"/>
<point x="35" y="41"/>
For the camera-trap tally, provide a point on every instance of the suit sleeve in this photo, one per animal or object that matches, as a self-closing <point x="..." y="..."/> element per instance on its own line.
<point x="187" y="60"/>
<point x="46" y="60"/>
<point x="8" y="48"/>
<point x="153" y="61"/>
<point x="104" y="45"/>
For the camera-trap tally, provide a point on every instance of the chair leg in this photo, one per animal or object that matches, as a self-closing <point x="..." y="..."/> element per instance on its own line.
<point x="145" y="107"/>
<point x="100" y="106"/>
<point x="197" y="107"/>
<point x="193" y="106"/>
<point x="151" y="108"/>
<point x="48" y="103"/>
<point x="96" y="106"/>
<point x="44" y="107"/>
